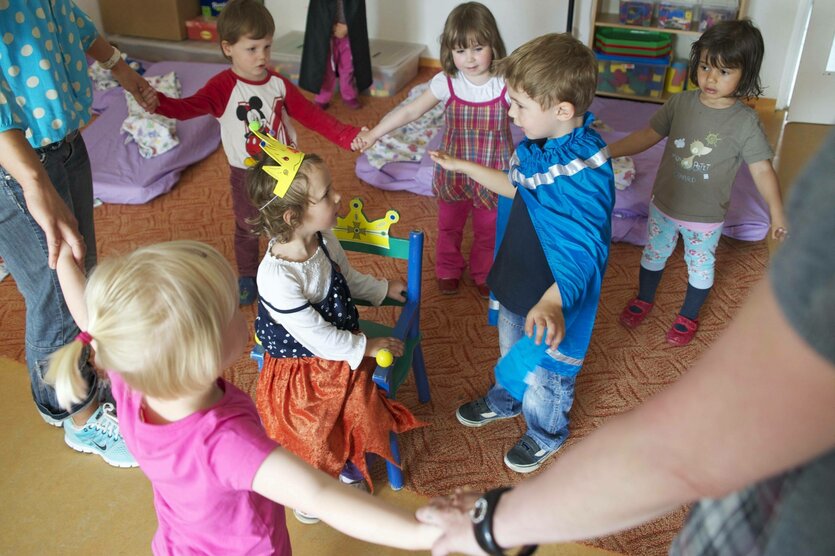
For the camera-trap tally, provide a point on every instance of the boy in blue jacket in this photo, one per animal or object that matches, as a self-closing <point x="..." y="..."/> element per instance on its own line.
<point x="549" y="267"/>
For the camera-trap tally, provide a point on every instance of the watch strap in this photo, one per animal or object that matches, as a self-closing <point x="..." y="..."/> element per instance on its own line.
<point x="483" y="522"/>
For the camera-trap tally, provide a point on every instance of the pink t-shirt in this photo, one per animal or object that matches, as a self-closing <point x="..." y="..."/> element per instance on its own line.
<point x="201" y="469"/>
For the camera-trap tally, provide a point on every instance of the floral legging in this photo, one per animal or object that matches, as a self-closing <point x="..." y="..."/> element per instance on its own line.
<point x="699" y="248"/>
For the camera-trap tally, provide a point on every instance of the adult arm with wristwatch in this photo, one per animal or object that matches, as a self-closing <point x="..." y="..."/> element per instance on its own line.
<point x="752" y="423"/>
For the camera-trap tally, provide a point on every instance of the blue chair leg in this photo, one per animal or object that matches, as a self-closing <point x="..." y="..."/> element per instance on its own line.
<point x="395" y="474"/>
<point x="421" y="380"/>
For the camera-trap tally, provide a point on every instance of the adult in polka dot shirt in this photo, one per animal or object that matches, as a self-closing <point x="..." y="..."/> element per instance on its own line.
<point x="46" y="190"/>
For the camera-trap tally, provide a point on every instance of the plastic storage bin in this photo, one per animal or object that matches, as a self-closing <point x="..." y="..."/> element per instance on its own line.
<point x="629" y="75"/>
<point x="676" y="77"/>
<point x="287" y="54"/>
<point x="675" y="14"/>
<point x="631" y="42"/>
<point x="393" y="63"/>
<point x="714" y="11"/>
<point x="636" y="12"/>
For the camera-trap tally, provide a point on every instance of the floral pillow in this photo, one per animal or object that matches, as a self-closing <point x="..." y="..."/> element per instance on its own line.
<point x="154" y="134"/>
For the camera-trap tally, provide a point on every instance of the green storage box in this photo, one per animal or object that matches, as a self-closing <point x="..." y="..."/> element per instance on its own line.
<point x="631" y="42"/>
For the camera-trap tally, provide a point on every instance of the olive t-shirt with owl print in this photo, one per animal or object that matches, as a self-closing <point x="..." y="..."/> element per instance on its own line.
<point x="705" y="147"/>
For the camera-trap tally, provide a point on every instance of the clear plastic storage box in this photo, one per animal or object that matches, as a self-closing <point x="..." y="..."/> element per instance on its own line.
<point x="629" y="75"/>
<point x="393" y="63"/>
<point x="636" y="12"/>
<point x="714" y="11"/>
<point x="676" y="14"/>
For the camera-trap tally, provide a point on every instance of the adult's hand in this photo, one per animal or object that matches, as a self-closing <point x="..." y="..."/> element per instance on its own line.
<point x="136" y="85"/>
<point x="47" y="208"/>
<point x="452" y="514"/>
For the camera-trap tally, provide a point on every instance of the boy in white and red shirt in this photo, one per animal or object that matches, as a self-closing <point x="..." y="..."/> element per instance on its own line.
<point x="249" y="92"/>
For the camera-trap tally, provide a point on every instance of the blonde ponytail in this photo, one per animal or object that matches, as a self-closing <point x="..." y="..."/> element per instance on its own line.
<point x="65" y="374"/>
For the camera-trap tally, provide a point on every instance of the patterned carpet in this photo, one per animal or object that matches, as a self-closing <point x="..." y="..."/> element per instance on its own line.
<point x="622" y="369"/>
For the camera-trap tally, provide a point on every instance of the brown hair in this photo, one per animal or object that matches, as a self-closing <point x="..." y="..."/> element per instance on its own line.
<point x="244" y="18"/>
<point x="270" y="220"/>
<point x="551" y="69"/>
<point x="733" y="44"/>
<point x="467" y="25"/>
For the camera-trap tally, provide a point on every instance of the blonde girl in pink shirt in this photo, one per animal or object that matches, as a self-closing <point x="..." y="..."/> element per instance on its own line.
<point x="164" y="320"/>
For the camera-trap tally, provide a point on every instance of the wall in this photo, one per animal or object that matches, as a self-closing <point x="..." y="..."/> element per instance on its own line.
<point x="421" y="21"/>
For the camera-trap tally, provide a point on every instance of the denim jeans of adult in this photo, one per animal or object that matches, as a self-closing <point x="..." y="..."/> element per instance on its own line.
<point x="547" y="399"/>
<point x="49" y="324"/>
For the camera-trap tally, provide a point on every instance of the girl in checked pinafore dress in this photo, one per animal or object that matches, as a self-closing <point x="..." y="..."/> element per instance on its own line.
<point x="477" y="129"/>
<point x="315" y="394"/>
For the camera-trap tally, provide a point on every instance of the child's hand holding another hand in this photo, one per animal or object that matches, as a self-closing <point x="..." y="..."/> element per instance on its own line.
<point x="446" y="162"/>
<point x="363" y="141"/>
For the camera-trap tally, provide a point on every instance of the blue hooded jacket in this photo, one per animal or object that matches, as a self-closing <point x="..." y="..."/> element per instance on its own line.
<point x="568" y="187"/>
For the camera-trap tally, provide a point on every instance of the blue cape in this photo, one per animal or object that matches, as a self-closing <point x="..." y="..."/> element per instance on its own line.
<point x="568" y="187"/>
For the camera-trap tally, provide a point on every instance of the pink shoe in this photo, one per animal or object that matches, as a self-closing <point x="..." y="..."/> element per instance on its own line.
<point x="676" y="336"/>
<point x="448" y="286"/>
<point x="632" y="318"/>
<point x="353" y="104"/>
<point x="483" y="290"/>
<point x="322" y="105"/>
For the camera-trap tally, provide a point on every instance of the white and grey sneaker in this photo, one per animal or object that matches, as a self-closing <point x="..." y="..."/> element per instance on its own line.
<point x="477" y="414"/>
<point x="526" y="456"/>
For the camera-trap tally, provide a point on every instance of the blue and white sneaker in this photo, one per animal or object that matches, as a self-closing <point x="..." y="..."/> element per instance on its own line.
<point x="100" y="435"/>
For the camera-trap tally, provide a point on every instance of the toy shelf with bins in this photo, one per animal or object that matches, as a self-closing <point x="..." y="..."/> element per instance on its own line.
<point x="604" y="13"/>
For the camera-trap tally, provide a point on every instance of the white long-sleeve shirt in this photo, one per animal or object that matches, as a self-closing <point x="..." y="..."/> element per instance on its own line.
<point x="288" y="285"/>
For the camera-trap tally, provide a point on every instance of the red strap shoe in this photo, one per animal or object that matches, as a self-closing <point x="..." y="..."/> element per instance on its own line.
<point x="635" y="312"/>
<point x="678" y="337"/>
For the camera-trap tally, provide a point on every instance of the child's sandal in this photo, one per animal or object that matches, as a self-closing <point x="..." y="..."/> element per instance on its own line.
<point x="682" y="331"/>
<point x="635" y="312"/>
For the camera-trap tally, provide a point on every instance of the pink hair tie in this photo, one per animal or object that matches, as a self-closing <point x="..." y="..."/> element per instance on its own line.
<point x="85" y="338"/>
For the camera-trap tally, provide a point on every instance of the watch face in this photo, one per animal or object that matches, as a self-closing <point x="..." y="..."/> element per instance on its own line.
<point x="479" y="511"/>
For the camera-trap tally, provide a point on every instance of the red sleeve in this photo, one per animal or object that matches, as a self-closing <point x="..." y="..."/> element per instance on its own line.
<point x="211" y="99"/>
<point x="312" y="117"/>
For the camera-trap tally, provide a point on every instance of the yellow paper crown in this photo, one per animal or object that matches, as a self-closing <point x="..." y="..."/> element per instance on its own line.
<point x="287" y="159"/>
<point x="354" y="226"/>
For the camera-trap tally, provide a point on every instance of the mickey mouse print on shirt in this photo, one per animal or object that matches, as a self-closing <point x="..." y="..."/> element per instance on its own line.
<point x="251" y="111"/>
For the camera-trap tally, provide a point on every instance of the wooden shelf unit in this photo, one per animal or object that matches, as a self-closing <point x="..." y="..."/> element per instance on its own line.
<point x="608" y="19"/>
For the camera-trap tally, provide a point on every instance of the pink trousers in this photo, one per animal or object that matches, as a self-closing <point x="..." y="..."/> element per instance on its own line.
<point x="340" y="62"/>
<point x="449" y="261"/>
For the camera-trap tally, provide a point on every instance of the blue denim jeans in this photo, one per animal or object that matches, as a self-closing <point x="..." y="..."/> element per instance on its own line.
<point x="548" y="397"/>
<point x="49" y="324"/>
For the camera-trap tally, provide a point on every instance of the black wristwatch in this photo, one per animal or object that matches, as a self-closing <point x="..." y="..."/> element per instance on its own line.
<point x="482" y="518"/>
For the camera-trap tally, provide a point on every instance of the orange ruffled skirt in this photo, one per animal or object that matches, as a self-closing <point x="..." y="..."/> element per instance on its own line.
<point x="327" y="414"/>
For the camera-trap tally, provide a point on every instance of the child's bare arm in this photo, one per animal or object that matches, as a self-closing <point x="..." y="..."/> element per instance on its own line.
<point x="494" y="180"/>
<point x="546" y="315"/>
<point x="400" y="117"/>
<point x="768" y="185"/>
<point x="286" y="479"/>
<point x="635" y="142"/>
<point x="73" y="282"/>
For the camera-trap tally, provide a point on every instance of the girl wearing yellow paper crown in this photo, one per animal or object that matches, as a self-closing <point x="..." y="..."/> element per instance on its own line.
<point x="315" y="394"/>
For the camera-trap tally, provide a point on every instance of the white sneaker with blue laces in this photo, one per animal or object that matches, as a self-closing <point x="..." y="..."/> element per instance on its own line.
<point x="100" y="435"/>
